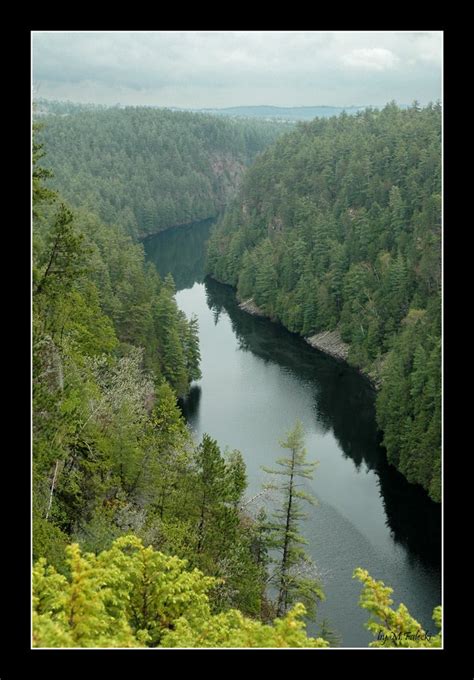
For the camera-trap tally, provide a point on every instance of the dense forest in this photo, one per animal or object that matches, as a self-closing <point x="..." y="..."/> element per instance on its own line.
<point x="147" y="169"/>
<point x="142" y="536"/>
<point x="337" y="226"/>
<point x="288" y="114"/>
<point x="112" y="455"/>
<point x="55" y="107"/>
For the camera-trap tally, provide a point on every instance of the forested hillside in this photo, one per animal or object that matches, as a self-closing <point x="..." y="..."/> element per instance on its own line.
<point x="283" y="113"/>
<point x="113" y="459"/>
<point x="143" y="537"/>
<point x="45" y="107"/>
<point x="149" y="169"/>
<point x="337" y="226"/>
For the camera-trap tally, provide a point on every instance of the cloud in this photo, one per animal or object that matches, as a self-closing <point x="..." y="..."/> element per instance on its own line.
<point x="371" y="59"/>
<point x="430" y="48"/>
<point x="226" y="68"/>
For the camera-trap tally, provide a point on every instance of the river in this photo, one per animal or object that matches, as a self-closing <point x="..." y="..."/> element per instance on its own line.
<point x="257" y="380"/>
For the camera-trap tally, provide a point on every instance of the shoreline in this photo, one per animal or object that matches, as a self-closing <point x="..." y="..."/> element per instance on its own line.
<point x="327" y="342"/>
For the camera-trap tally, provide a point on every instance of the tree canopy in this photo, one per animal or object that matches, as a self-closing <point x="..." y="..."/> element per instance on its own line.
<point x="148" y="169"/>
<point x="140" y="533"/>
<point x="337" y="226"/>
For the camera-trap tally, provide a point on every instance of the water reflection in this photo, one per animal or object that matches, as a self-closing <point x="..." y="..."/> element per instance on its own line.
<point x="257" y="377"/>
<point x="190" y="405"/>
<point x="344" y="402"/>
<point x="181" y="251"/>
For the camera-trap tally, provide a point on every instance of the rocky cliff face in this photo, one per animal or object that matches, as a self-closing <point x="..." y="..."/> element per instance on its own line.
<point x="228" y="172"/>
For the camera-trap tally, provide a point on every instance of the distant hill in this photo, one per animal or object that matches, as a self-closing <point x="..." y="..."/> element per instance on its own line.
<point x="148" y="169"/>
<point x="283" y="112"/>
<point x="45" y="107"/>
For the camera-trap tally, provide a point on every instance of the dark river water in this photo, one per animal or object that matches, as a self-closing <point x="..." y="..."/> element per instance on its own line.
<point x="257" y="380"/>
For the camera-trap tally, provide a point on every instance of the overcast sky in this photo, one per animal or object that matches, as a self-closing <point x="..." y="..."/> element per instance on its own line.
<point x="218" y="69"/>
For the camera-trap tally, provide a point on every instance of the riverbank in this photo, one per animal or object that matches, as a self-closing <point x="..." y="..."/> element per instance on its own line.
<point x="331" y="343"/>
<point x="250" y="307"/>
<point x="328" y="342"/>
<point x="257" y="379"/>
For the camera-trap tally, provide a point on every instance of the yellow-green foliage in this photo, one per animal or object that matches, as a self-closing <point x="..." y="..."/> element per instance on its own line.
<point x="393" y="628"/>
<point x="80" y="611"/>
<point x="232" y="629"/>
<point x="132" y="596"/>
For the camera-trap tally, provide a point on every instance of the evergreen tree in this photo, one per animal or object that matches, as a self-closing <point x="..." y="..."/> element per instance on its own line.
<point x="292" y="575"/>
<point x="145" y="169"/>
<point x="212" y="492"/>
<point x="337" y="227"/>
<point x="393" y="628"/>
<point x="193" y="355"/>
<point x="265" y="278"/>
<point x="132" y="596"/>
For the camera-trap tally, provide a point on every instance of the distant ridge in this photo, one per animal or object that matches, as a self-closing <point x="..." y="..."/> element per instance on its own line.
<point x="264" y="112"/>
<point x="281" y="112"/>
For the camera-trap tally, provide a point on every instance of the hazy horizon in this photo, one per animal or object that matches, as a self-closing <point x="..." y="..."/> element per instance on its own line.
<point x="223" y="108"/>
<point x="226" y="69"/>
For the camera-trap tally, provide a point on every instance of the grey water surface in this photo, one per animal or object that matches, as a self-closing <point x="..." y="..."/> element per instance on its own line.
<point x="257" y="379"/>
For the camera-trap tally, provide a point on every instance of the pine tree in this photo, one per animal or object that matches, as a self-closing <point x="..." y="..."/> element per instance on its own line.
<point x="170" y="346"/>
<point x="40" y="193"/>
<point x="167" y="459"/>
<point x="211" y="480"/>
<point x="134" y="596"/>
<point x="193" y="355"/>
<point x="237" y="477"/>
<point x="293" y="575"/>
<point x="63" y="260"/>
<point x="392" y="628"/>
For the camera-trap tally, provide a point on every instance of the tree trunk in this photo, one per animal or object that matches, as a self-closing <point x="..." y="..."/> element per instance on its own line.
<point x="52" y="489"/>
<point x="283" y="594"/>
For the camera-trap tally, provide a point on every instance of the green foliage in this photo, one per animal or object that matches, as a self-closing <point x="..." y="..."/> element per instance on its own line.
<point x="173" y="334"/>
<point x="192" y="352"/>
<point x="232" y="629"/>
<point x="293" y="575"/>
<point x="237" y="476"/>
<point x="392" y="628"/>
<point x="148" y="169"/>
<point x="115" y="468"/>
<point x="409" y="403"/>
<point x="111" y="351"/>
<point x="49" y="542"/>
<point x="160" y="589"/>
<point x="84" y="610"/>
<point x="337" y="226"/>
<point x="57" y="267"/>
<point x="219" y="487"/>
<point x="111" y="451"/>
<point x="133" y="596"/>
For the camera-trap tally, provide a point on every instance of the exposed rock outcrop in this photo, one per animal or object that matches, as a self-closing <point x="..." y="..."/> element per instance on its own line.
<point x="331" y="343"/>
<point x="250" y="307"/>
<point x="228" y="172"/>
